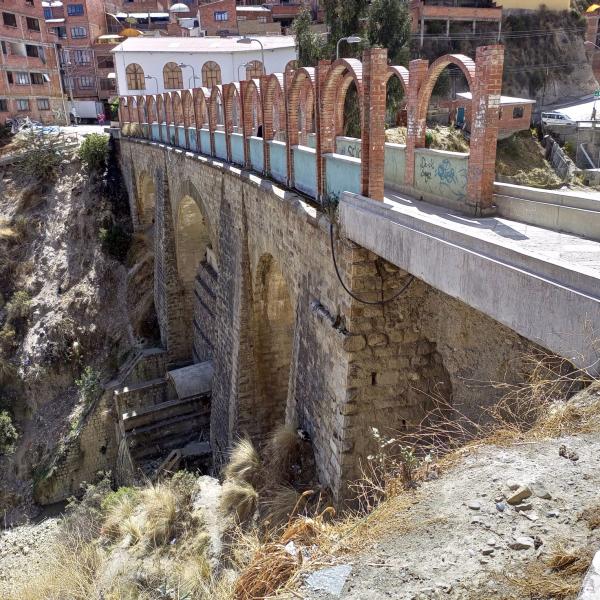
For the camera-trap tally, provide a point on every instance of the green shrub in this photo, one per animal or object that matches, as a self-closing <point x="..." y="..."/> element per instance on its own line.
<point x="19" y="306"/>
<point x="8" y="434"/>
<point x="428" y="139"/>
<point x="115" y="241"/>
<point x="94" y="151"/>
<point x="41" y="156"/>
<point x="89" y="384"/>
<point x="115" y="498"/>
<point x="114" y="109"/>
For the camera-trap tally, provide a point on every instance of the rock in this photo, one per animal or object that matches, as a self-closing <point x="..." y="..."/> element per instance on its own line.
<point x="537" y="542"/>
<point x="522" y="543"/>
<point x="568" y="453"/>
<point x="519" y="495"/>
<point x="474" y="505"/>
<point x="500" y="506"/>
<point x="491" y="542"/>
<point x="330" y="580"/>
<point x="523" y="506"/>
<point x="512" y="485"/>
<point x="487" y="551"/>
<point x="552" y="513"/>
<point x="539" y="491"/>
<point x="532" y="516"/>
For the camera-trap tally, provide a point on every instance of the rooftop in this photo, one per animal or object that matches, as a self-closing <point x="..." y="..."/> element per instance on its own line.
<point x="503" y="99"/>
<point x="203" y="44"/>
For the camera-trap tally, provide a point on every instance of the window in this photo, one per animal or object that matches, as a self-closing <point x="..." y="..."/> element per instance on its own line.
<point x="33" y="24"/>
<point x="47" y="13"/>
<point x="43" y="104"/>
<point x="211" y="74"/>
<point x="86" y="82"/>
<point x="135" y="77"/>
<point x="254" y="70"/>
<point x="9" y="76"/>
<point x="78" y="32"/>
<point x="262" y="19"/>
<point x="21" y="78"/>
<point x="221" y="15"/>
<point x="82" y="57"/>
<point x="29" y="2"/>
<point x="74" y="10"/>
<point x="22" y="105"/>
<point x="3" y="105"/>
<point x="241" y="18"/>
<point x="9" y="19"/>
<point x="172" y="76"/>
<point x="69" y="83"/>
<point x="60" y="32"/>
<point x="107" y="84"/>
<point x="37" y="78"/>
<point x="4" y="47"/>
<point x="106" y="62"/>
<point x="518" y="112"/>
<point x="33" y="51"/>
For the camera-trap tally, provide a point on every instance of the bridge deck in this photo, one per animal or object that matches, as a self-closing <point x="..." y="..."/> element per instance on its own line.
<point x="542" y="283"/>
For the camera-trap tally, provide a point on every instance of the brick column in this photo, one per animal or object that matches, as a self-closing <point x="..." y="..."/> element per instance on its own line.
<point x="291" y="138"/>
<point x="487" y="85"/>
<point x="267" y="122"/>
<point x="415" y="129"/>
<point x="325" y="131"/>
<point x="246" y="122"/>
<point x="227" y="116"/>
<point x="373" y="122"/>
<point x="168" y="115"/>
<point x="212" y="123"/>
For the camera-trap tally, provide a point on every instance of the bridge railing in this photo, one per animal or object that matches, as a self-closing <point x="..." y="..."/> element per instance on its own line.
<point x="288" y="126"/>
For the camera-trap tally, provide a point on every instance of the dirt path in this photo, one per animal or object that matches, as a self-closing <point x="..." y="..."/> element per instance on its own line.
<point x="453" y="550"/>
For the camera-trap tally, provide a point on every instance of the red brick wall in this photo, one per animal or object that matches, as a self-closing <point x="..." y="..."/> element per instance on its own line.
<point x="207" y="17"/>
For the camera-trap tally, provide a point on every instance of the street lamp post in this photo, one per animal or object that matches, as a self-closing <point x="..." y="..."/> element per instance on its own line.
<point x="245" y="66"/>
<point x="351" y="39"/>
<point x="155" y="81"/>
<point x="248" y="40"/>
<point x="184" y="66"/>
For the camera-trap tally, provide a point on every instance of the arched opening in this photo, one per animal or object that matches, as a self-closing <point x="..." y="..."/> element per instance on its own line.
<point x="253" y="108"/>
<point x="274" y="108"/>
<point x="146" y="201"/>
<point x="395" y="104"/>
<point x="211" y="74"/>
<point x="193" y="243"/>
<point x="236" y="111"/>
<point x="254" y="69"/>
<point x="172" y="76"/>
<point x="351" y="114"/>
<point x="274" y="318"/>
<point x="135" y="77"/>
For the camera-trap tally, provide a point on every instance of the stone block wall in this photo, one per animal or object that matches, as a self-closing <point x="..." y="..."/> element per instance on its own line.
<point x="289" y="344"/>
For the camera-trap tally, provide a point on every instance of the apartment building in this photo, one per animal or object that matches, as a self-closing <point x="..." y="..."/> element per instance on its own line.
<point x="30" y="82"/>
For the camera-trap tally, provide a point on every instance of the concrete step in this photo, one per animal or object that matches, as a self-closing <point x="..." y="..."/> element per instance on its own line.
<point x="558" y="217"/>
<point x="165" y="410"/>
<point x="567" y="198"/>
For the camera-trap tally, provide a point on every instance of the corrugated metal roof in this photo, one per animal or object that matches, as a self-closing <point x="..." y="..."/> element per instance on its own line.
<point x="503" y="99"/>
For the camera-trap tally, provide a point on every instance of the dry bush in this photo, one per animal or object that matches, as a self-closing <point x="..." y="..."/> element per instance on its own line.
<point x="244" y="464"/>
<point x="280" y="505"/>
<point x="556" y="576"/>
<point x="119" y="513"/>
<point x="281" y="452"/>
<point x="270" y="569"/>
<point x="240" y="499"/>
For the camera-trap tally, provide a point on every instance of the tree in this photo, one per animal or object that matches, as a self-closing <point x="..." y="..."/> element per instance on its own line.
<point x="309" y="45"/>
<point x="389" y="27"/>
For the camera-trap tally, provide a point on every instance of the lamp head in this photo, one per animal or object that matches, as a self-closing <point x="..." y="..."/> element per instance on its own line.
<point x="354" y="39"/>
<point x="179" y="7"/>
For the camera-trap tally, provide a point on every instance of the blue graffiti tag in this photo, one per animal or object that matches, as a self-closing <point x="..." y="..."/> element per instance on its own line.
<point x="445" y="172"/>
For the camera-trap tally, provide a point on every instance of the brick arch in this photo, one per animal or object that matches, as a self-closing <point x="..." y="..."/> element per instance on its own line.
<point x="151" y="109"/>
<point x="201" y="106"/>
<point x="178" y="118"/>
<point x="251" y="106"/>
<point x="214" y="113"/>
<point x="273" y="106"/>
<point x="464" y="63"/>
<point x="160" y="109"/>
<point x="168" y="98"/>
<point x="141" y="110"/>
<point x="291" y="65"/>
<point x="187" y="106"/>
<point x="232" y="106"/>
<point x="301" y="85"/>
<point x="132" y="104"/>
<point x="273" y="312"/>
<point x="401" y="73"/>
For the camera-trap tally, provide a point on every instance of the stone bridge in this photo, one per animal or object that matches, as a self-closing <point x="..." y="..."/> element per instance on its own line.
<point x="244" y="274"/>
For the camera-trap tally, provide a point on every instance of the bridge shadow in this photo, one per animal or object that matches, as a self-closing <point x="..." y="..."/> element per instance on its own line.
<point x="493" y="224"/>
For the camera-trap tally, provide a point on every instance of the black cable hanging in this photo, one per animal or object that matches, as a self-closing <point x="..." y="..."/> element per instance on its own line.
<point x="411" y="278"/>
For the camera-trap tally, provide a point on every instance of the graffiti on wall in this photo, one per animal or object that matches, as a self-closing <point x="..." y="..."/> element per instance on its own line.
<point x="442" y="176"/>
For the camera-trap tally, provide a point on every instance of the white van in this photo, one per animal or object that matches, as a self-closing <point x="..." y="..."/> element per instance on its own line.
<point x="556" y="118"/>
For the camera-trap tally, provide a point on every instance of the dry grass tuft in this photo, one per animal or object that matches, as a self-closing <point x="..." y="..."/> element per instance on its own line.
<point x="557" y="576"/>
<point x="281" y="452"/>
<point x="240" y="499"/>
<point x="592" y="516"/>
<point x="244" y="464"/>
<point x="282" y="502"/>
<point x="160" y="507"/>
<point x="270" y="569"/>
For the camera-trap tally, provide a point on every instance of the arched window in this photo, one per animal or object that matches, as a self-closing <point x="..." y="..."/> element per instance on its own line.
<point x="211" y="74"/>
<point x="135" y="77"/>
<point x="254" y="69"/>
<point x="172" y="77"/>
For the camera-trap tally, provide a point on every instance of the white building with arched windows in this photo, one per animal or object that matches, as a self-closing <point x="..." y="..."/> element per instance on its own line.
<point x="150" y="65"/>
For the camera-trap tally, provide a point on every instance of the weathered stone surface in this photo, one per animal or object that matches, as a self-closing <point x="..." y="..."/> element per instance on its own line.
<point x="330" y="580"/>
<point x="519" y="495"/>
<point x="522" y="543"/>
<point x="590" y="589"/>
